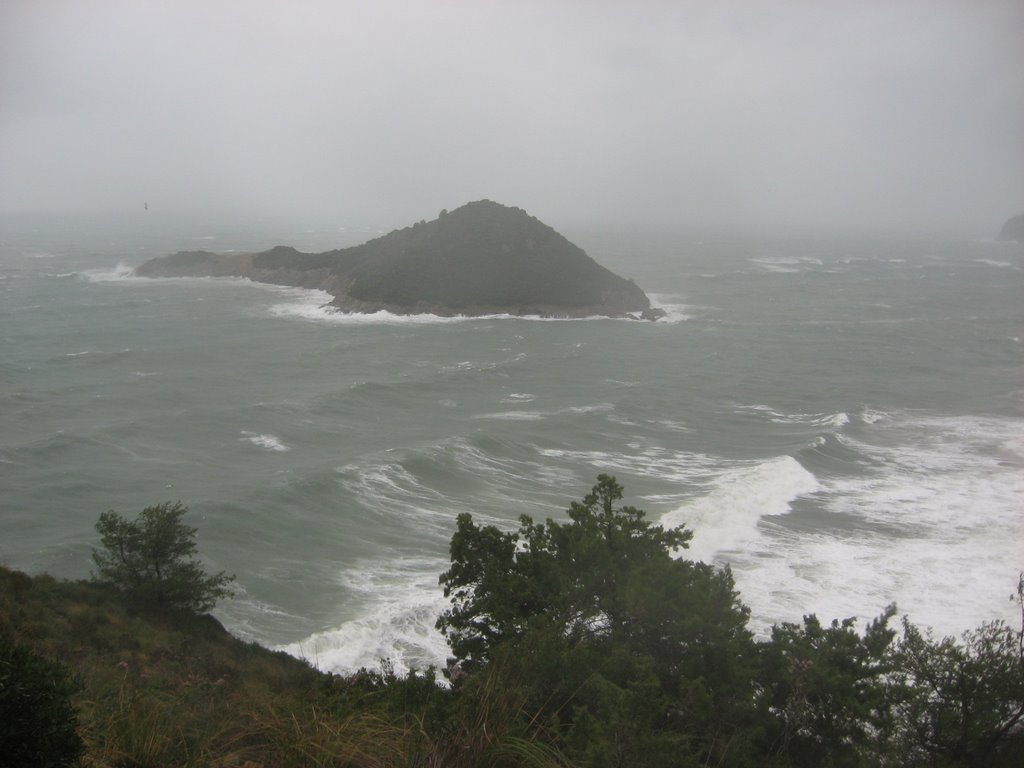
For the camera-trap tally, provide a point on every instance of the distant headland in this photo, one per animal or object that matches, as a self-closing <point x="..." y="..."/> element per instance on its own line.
<point x="481" y="259"/>
<point x="1013" y="229"/>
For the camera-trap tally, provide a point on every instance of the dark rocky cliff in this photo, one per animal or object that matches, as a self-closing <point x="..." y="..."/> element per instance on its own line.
<point x="483" y="258"/>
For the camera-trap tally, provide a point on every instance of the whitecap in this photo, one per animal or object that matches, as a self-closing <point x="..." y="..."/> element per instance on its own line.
<point x="838" y="419"/>
<point x="316" y="308"/>
<point x="599" y="408"/>
<point x="652" y="461"/>
<point x="389" y="490"/>
<point x="314" y="305"/>
<point x="513" y="416"/>
<point x="120" y="273"/>
<point x="518" y="397"/>
<point x="780" y="264"/>
<point x="936" y="527"/>
<point x="269" y="442"/>
<point x="725" y="519"/>
<point x="871" y="416"/>
<point x="539" y="415"/>
<point x="996" y="263"/>
<point x="328" y="314"/>
<point x="673" y="307"/>
<point x="672" y="425"/>
<point x="401" y="600"/>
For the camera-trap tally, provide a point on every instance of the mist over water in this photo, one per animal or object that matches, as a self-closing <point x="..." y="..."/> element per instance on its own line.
<point x="841" y="421"/>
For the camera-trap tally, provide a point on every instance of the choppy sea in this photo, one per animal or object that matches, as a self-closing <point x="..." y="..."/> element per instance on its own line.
<point x="841" y="421"/>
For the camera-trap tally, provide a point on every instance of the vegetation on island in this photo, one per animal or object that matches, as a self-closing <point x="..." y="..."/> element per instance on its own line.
<point x="480" y="259"/>
<point x="589" y="641"/>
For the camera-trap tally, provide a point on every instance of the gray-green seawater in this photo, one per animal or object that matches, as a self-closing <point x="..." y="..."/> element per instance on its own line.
<point x="841" y="421"/>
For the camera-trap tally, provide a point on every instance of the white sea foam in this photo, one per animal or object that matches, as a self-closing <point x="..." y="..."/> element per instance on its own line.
<point x="541" y="415"/>
<point x="672" y="304"/>
<point x="996" y="263"/>
<point x="780" y="264"/>
<point x="315" y="308"/>
<point x="518" y="397"/>
<point x="598" y="408"/>
<point x="314" y="305"/>
<point x="872" y="416"/>
<point x="725" y="519"/>
<point x="812" y="419"/>
<point x="786" y="264"/>
<point x="384" y="481"/>
<point x="392" y="493"/>
<point x="320" y="312"/>
<point x="649" y="461"/>
<point x="776" y="261"/>
<point x="97" y="353"/>
<point x="622" y="384"/>
<point x="120" y="273"/>
<point x="936" y="528"/>
<point x="124" y="273"/>
<point x="673" y="425"/>
<point x="402" y="601"/>
<point x="269" y="442"/>
<point x="514" y="416"/>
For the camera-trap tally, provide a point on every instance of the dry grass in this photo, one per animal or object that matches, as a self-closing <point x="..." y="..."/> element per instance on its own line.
<point x="162" y="690"/>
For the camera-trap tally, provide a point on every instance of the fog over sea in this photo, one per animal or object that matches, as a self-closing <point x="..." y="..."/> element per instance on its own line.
<point x="842" y="421"/>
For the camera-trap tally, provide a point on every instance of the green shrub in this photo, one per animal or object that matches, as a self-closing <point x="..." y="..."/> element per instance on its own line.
<point x="37" y="721"/>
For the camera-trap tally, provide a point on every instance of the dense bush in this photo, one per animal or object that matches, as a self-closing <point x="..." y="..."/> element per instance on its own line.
<point x="37" y="720"/>
<point x="625" y="654"/>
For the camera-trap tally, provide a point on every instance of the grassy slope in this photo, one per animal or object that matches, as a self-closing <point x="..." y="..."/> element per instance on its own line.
<point x="164" y="689"/>
<point x="177" y="689"/>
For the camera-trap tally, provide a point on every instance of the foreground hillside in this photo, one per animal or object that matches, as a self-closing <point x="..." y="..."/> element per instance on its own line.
<point x="481" y="259"/>
<point x="586" y="642"/>
<point x="155" y="688"/>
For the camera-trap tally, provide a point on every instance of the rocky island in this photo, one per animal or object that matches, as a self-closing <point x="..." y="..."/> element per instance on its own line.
<point x="1013" y="230"/>
<point x="481" y="259"/>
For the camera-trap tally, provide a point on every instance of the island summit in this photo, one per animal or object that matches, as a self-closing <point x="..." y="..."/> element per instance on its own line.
<point x="1013" y="230"/>
<point x="481" y="259"/>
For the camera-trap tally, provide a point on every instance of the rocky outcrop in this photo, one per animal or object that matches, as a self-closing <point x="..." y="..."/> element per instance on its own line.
<point x="480" y="259"/>
<point x="1013" y="230"/>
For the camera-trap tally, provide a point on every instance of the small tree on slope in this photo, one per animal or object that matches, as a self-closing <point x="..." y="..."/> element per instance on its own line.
<point x="150" y="559"/>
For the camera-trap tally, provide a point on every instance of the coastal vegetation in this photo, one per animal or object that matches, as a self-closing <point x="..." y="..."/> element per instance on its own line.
<point x="586" y="641"/>
<point x="151" y="560"/>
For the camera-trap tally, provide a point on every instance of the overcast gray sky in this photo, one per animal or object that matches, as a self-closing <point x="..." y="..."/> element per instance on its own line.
<point x="851" y="115"/>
